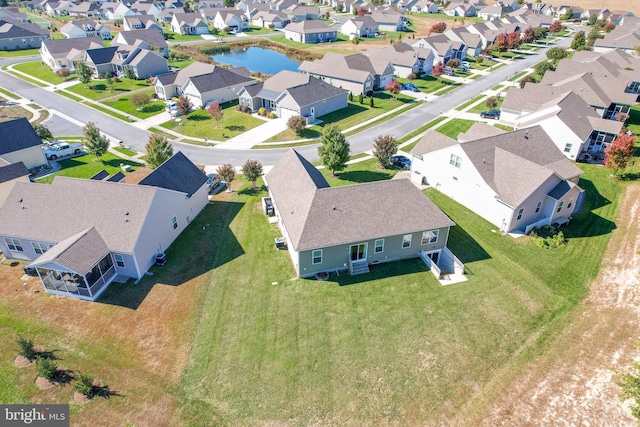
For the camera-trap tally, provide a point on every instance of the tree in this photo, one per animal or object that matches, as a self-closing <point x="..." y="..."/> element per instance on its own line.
<point x="4" y="3"/>
<point x="94" y="142"/>
<point x="556" y="26"/>
<point x="139" y="100"/>
<point x="46" y="368"/>
<point x="43" y="132"/>
<point x="437" y="69"/>
<point x="394" y="86"/>
<point x="159" y="150"/>
<point x="514" y="39"/>
<point x="500" y="43"/>
<point x="540" y="32"/>
<point x="25" y="348"/>
<point x="479" y="59"/>
<point x="108" y="79"/>
<point x="227" y="173"/>
<point x="594" y="35"/>
<point x="492" y="102"/>
<point x="130" y="74"/>
<point x="525" y="80"/>
<point x="453" y="63"/>
<point x="567" y="15"/>
<point x="229" y="3"/>
<point x="620" y="152"/>
<point x="529" y="35"/>
<point x="542" y="67"/>
<point x="361" y="98"/>
<point x="557" y="53"/>
<point x="333" y="149"/>
<point x="63" y="72"/>
<point x="83" y="72"/>
<point x="216" y="111"/>
<point x="384" y="147"/>
<point x="252" y="169"/>
<point x="83" y="384"/>
<point x="579" y="41"/>
<point x="297" y="124"/>
<point x="440" y="27"/>
<point x="608" y="27"/>
<point x="362" y="11"/>
<point x="371" y="101"/>
<point x="184" y="105"/>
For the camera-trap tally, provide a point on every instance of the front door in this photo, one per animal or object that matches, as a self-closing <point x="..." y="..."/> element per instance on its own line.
<point x="358" y="252"/>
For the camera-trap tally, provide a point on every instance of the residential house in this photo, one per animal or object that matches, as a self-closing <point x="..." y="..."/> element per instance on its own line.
<point x="144" y="63"/>
<point x="141" y="22"/>
<point x="57" y="8"/>
<point x="85" y="28"/>
<point x="116" y="229"/>
<point x="425" y="6"/>
<point x="85" y="10"/>
<point x="442" y="47"/>
<point x="65" y="53"/>
<point x="166" y="15"/>
<point x="170" y="85"/>
<point x="146" y="8"/>
<point x="405" y="59"/>
<point x="294" y="94"/>
<point x="147" y="39"/>
<point x="494" y="12"/>
<point x="487" y="35"/>
<point x="310" y="32"/>
<point x="230" y="18"/>
<point x="542" y="9"/>
<point x="576" y="12"/>
<point x="324" y="229"/>
<point x="10" y="174"/>
<point x="471" y="41"/>
<point x="626" y="38"/>
<point x="210" y="3"/>
<point x="20" y="143"/>
<point x="115" y="10"/>
<point x="21" y="35"/>
<point x="587" y="14"/>
<point x="357" y="73"/>
<point x="269" y="19"/>
<point x="220" y="85"/>
<point x="388" y="19"/>
<point x="13" y="14"/>
<point x="460" y="9"/>
<point x="299" y="13"/>
<point x="516" y="180"/>
<point x="189" y="23"/>
<point x="360" y="26"/>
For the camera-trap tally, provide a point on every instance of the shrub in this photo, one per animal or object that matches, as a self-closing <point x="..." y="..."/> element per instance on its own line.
<point x="548" y="237"/>
<point x="25" y="348"/>
<point x="296" y="124"/>
<point x="273" y="115"/>
<point x="83" y="384"/>
<point x="46" y="368"/>
<point x="411" y="77"/>
<point x="261" y="111"/>
<point x="63" y="72"/>
<point x="492" y="102"/>
<point x="243" y="109"/>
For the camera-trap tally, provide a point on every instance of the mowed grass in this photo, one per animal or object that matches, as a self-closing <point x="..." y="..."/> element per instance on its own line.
<point x="40" y="71"/>
<point x="224" y="335"/>
<point x="123" y="104"/>
<point x="98" y="89"/>
<point x="86" y="166"/>
<point x="199" y="124"/>
<point x="453" y="127"/>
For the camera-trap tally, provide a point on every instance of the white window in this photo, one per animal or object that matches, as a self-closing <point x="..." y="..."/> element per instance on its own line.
<point x="567" y="148"/>
<point x="379" y="246"/>
<point x="520" y="213"/>
<point x="538" y="206"/>
<point x="119" y="260"/>
<point x="174" y="221"/>
<point x="317" y="256"/>
<point x="430" y="236"/>
<point x="560" y="207"/>
<point x="455" y="161"/>
<point x="14" y="244"/>
<point x="406" y="241"/>
<point x="40" y="248"/>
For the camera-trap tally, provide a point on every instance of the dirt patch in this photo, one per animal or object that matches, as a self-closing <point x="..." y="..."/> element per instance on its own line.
<point x="22" y="362"/>
<point x="573" y="383"/>
<point x="79" y="398"/>
<point x="43" y="383"/>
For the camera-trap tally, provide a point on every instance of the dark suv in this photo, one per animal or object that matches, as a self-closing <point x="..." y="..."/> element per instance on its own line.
<point x="491" y="114"/>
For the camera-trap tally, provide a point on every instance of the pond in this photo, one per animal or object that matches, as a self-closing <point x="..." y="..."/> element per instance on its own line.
<point x="257" y="59"/>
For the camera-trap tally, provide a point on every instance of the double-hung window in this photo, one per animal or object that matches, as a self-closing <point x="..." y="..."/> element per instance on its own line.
<point x="316" y="256"/>
<point x="379" y="246"/>
<point x="39" y="247"/>
<point x="13" y="244"/>
<point x="429" y="236"/>
<point x="406" y="241"/>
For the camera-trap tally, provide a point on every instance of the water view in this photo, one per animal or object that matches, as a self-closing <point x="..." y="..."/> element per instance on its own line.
<point x="258" y="59"/>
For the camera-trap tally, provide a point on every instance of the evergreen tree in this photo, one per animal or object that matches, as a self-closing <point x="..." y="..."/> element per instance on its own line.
<point x="83" y="72"/>
<point x="159" y="150"/>
<point x="94" y="142"/>
<point x="333" y="149"/>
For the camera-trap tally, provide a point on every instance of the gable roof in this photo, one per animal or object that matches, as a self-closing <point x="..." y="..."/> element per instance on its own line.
<point x="316" y="215"/>
<point x="432" y="141"/>
<point x="309" y="27"/>
<point x="479" y="130"/>
<point x="64" y="46"/>
<point x="13" y="171"/>
<point x="217" y="79"/>
<point x="17" y="134"/>
<point x="177" y="174"/>
<point x="181" y="76"/>
<point x="14" y="29"/>
<point x="149" y="35"/>
<point x="102" y="55"/>
<point x="314" y="90"/>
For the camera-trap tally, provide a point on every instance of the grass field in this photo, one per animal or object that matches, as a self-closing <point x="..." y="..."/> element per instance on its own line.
<point x="97" y="89"/>
<point x="86" y="166"/>
<point x="16" y="53"/>
<point x="151" y="109"/>
<point x="454" y="127"/>
<point x="199" y="124"/>
<point x="40" y="71"/>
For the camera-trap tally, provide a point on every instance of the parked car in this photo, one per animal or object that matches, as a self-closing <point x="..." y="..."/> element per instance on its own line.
<point x="490" y="114"/>
<point x="61" y="149"/>
<point x="465" y="64"/>
<point x="213" y="180"/>
<point x="449" y="71"/>
<point x="402" y="162"/>
<point x="411" y="87"/>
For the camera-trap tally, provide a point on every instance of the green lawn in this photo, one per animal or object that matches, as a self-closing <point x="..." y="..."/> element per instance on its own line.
<point x="417" y="132"/>
<point x="357" y="173"/>
<point x="151" y="109"/>
<point x="482" y="106"/>
<point x="430" y="84"/>
<point x="97" y="89"/>
<point x="16" y="53"/>
<point x="199" y="124"/>
<point x="86" y="166"/>
<point x="454" y="127"/>
<point x="181" y="63"/>
<point x="8" y="94"/>
<point x="125" y="151"/>
<point x="175" y="37"/>
<point x="41" y="71"/>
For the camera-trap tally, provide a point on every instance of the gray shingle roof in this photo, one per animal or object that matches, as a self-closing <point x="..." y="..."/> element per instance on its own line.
<point x="309" y="27"/>
<point x="432" y="141"/>
<point x="314" y="91"/>
<point x="219" y="78"/>
<point x="103" y="55"/>
<point x="10" y="30"/>
<point x="178" y="174"/>
<point x="16" y="135"/>
<point x="317" y="216"/>
<point x="78" y="253"/>
<point x="13" y="171"/>
<point x="82" y="203"/>
<point x="63" y="46"/>
<point x="479" y="130"/>
<point x="149" y="35"/>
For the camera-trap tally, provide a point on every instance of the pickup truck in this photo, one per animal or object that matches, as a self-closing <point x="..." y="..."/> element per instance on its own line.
<point x="61" y="149"/>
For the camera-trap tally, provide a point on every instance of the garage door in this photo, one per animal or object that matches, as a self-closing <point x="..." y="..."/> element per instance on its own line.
<point x="286" y="113"/>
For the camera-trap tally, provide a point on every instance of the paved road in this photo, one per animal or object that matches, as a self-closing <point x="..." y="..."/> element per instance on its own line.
<point x="137" y="138"/>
